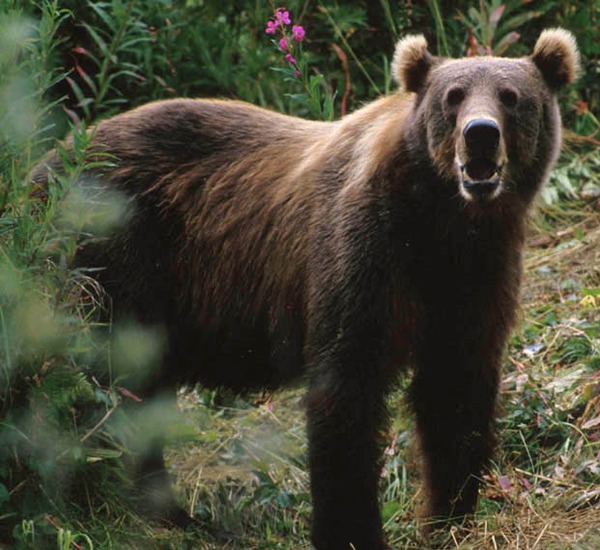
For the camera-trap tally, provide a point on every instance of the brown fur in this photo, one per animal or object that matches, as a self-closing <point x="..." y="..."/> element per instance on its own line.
<point x="269" y="247"/>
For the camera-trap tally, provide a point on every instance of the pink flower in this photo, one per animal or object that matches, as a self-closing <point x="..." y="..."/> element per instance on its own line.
<point x="283" y="44"/>
<point x="271" y="27"/>
<point x="282" y="16"/>
<point x="297" y="73"/>
<point x="298" y="32"/>
<point x="290" y="59"/>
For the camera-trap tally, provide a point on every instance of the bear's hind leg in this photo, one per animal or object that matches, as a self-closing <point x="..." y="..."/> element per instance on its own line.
<point x="344" y="426"/>
<point x="155" y="497"/>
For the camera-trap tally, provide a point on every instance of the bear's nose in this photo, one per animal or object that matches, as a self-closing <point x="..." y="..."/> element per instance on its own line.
<point x="482" y="137"/>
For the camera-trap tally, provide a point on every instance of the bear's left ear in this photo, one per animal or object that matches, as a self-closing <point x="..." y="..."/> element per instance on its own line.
<point x="557" y="57"/>
<point x="412" y="62"/>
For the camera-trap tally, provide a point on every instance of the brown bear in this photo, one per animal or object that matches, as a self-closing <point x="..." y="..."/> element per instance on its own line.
<point x="269" y="247"/>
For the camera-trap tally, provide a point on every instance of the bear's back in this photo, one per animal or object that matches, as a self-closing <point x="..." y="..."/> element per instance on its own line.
<point x="215" y="243"/>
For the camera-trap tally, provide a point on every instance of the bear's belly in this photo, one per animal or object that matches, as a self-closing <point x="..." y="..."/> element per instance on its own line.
<point x="237" y="356"/>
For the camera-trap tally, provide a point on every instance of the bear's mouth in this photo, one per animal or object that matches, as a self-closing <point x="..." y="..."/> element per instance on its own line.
<point x="480" y="178"/>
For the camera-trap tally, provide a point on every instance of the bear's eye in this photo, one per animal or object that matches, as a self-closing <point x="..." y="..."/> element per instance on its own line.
<point x="455" y="96"/>
<point x="509" y="98"/>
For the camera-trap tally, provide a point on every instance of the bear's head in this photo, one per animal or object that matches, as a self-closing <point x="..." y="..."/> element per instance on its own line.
<point x="490" y="124"/>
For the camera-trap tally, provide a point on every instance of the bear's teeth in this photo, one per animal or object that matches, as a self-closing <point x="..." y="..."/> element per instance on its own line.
<point x="481" y="169"/>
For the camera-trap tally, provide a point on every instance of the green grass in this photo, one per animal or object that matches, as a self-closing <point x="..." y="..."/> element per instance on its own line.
<point x="239" y="463"/>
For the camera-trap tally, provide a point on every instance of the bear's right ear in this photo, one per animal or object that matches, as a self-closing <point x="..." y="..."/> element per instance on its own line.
<point x="411" y="62"/>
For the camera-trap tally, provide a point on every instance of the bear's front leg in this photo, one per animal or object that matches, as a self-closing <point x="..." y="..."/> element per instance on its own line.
<point x="454" y="393"/>
<point x="347" y="347"/>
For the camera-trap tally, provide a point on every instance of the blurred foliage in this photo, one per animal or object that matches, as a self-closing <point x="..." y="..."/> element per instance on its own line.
<point x="65" y="64"/>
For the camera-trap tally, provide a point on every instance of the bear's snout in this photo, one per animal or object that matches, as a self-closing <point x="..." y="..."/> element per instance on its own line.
<point x="482" y="137"/>
<point x="480" y="159"/>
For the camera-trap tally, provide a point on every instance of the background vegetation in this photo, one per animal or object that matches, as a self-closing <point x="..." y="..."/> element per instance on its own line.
<point x="239" y="463"/>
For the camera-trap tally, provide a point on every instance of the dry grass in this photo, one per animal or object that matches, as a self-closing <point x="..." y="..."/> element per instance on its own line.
<point x="530" y="528"/>
<point x="570" y="248"/>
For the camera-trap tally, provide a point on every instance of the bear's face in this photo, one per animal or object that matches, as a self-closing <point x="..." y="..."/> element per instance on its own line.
<point x="484" y="118"/>
<point x="489" y="123"/>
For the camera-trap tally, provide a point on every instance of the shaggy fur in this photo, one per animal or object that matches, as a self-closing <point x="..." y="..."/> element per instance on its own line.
<point x="269" y="247"/>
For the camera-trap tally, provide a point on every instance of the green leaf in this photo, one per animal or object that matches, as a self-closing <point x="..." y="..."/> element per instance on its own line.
<point x="110" y="23"/>
<point x="517" y="21"/>
<point x="88" y="80"/>
<point x="496" y="15"/>
<point x="390" y="509"/>
<point x="4" y="494"/>
<point x="591" y="291"/>
<point x="97" y="38"/>
<point x="134" y="42"/>
<point x="506" y="42"/>
<point x="314" y="82"/>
